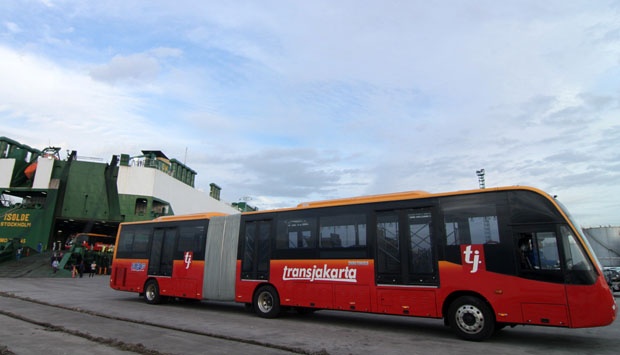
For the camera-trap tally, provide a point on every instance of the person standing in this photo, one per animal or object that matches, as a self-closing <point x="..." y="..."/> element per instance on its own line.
<point x="55" y="265"/>
<point x="81" y="268"/>
<point x="93" y="269"/>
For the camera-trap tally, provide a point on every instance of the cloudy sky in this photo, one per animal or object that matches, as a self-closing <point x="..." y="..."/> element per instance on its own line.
<point x="291" y="101"/>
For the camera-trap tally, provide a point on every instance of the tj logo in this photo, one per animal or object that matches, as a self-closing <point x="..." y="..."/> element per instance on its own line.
<point x="472" y="258"/>
<point x="188" y="259"/>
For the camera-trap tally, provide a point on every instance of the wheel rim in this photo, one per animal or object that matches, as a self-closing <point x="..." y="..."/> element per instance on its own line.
<point x="265" y="302"/>
<point x="470" y="319"/>
<point x="150" y="292"/>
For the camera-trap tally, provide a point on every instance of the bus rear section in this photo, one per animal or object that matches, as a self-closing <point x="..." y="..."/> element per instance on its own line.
<point x="162" y="259"/>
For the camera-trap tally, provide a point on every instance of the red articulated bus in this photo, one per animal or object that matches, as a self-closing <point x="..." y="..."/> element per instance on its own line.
<point x="481" y="260"/>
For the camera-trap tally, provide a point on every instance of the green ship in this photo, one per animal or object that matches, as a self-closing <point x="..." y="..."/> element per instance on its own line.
<point x="45" y="201"/>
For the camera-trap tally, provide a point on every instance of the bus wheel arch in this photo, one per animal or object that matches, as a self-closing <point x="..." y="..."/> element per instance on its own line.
<point x="266" y="301"/>
<point x="470" y="316"/>
<point x="152" y="293"/>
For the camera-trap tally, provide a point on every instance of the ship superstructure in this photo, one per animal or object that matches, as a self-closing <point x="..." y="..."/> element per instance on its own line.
<point x="45" y="200"/>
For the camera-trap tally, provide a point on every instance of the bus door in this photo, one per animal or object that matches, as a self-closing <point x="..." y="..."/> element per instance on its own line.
<point x="539" y="259"/>
<point x="256" y="250"/>
<point x="406" y="256"/>
<point x="162" y="252"/>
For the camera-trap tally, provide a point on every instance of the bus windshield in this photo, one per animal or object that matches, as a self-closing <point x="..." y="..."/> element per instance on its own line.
<point x="581" y="234"/>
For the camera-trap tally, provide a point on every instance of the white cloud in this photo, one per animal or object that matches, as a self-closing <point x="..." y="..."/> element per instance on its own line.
<point x="55" y="103"/>
<point x="166" y="52"/>
<point x="12" y="27"/>
<point x="135" y="68"/>
<point x="48" y="3"/>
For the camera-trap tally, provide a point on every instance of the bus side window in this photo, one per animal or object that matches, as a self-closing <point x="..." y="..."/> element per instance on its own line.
<point x="342" y="231"/>
<point x="471" y="220"/>
<point x="525" y="250"/>
<point x="546" y="252"/>
<point x="538" y="254"/>
<point x="538" y="250"/>
<point x="299" y="233"/>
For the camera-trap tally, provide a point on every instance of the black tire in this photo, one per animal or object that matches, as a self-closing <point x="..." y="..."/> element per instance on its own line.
<point x="151" y="292"/>
<point x="471" y="318"/>
<point x="267" y="302"/>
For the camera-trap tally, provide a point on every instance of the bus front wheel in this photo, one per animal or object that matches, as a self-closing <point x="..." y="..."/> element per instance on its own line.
<point x="151" y="292"/>
<point x="267" y="302"/>
<point x="471" y="318"/>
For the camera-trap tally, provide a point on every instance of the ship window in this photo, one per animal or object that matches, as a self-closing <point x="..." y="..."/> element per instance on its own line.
<point x="140" y="209"/>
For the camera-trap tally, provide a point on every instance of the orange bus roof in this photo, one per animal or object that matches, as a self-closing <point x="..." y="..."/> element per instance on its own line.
<point x="364" y="199"/>
<point x="189" y="216"/>
<point x="395" y="197"/>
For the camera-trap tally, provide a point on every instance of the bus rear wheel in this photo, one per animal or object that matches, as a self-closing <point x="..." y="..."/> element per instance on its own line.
<point x="267" y="302"/>
<point x="151" y="292"/>
<point x="471" y="318"/>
